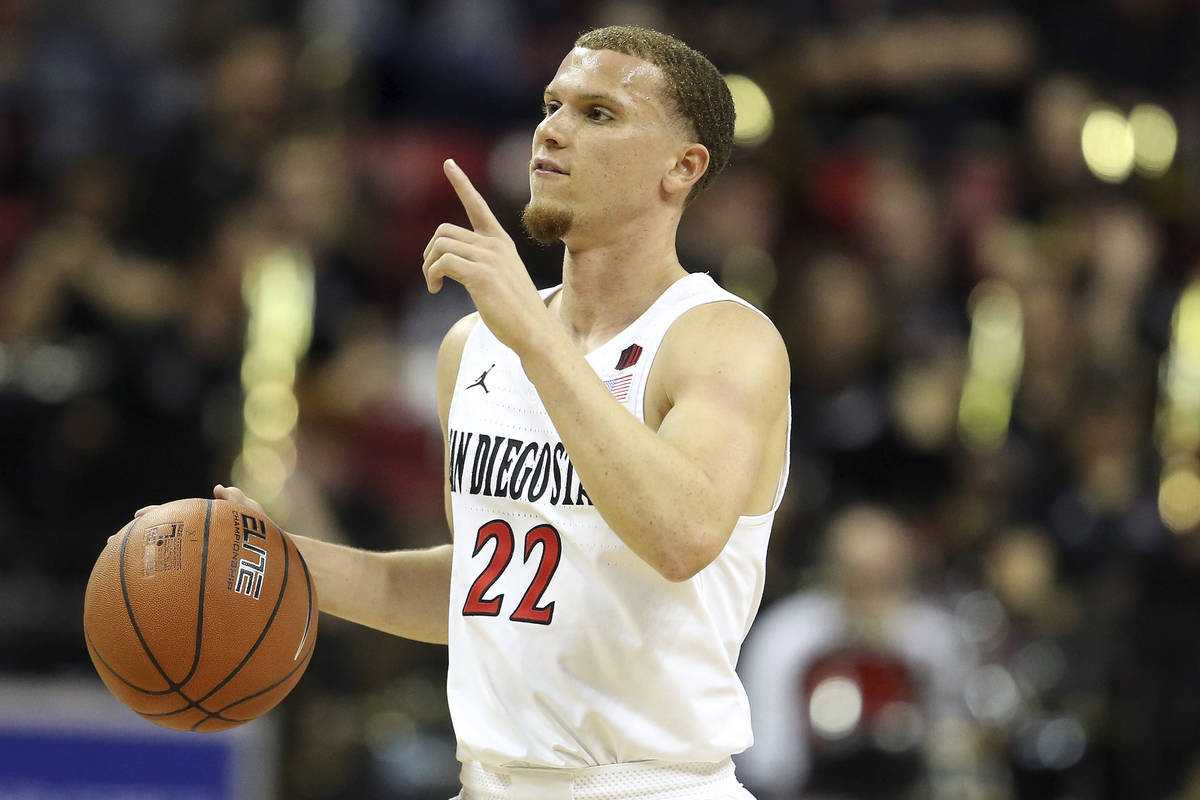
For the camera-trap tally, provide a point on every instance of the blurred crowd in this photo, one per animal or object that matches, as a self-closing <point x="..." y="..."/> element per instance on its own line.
<point x="972" y="592"/>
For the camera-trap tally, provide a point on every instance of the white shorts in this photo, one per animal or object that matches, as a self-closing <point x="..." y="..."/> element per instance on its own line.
<point x="646" y="780"/>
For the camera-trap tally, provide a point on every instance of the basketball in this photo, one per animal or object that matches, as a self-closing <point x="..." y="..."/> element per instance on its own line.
<point x="200" y="615"/>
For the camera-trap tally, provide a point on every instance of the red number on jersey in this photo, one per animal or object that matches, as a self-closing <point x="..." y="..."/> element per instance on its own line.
<point x="528" y="609"/>
<point x="502" y="532"/>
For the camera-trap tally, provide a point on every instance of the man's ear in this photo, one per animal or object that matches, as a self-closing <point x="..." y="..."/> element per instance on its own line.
<point x="689" y="167"/>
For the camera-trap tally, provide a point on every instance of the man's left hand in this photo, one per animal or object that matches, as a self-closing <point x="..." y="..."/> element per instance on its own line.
<point x="484" y="259"/>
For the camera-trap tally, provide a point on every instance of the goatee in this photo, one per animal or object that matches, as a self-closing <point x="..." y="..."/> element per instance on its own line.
<point x="545" y="223"/>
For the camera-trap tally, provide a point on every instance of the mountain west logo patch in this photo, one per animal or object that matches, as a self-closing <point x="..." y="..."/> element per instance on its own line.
<point x="629" y="356"/>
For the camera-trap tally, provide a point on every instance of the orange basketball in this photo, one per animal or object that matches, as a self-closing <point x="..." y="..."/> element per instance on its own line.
<point x="200" y="615"/>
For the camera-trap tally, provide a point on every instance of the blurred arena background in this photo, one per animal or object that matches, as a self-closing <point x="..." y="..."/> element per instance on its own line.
<point x="975" y="222"/>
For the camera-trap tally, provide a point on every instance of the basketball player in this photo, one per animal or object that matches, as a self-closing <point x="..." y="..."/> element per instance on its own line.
<point x="616" y="448"/>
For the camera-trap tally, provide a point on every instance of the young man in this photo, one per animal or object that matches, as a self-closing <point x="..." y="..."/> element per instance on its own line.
<point x="616" y="448"/>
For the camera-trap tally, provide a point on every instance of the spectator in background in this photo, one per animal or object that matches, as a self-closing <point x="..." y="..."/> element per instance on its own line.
<point x="211" y="161"/>
<point x="73" y="261"/>
<point x="1037" y="691"/>
<point x="919" y="147"/>
<point x="84" y="323"/>
<point x="853" y="681"/>
<point x="120" y="314"/>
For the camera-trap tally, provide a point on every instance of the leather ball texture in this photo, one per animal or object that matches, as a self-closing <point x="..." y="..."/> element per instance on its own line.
<point x="200" y="615"/>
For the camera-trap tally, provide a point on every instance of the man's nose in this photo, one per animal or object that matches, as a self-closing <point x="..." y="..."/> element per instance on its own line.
<point x="553" y="130"/>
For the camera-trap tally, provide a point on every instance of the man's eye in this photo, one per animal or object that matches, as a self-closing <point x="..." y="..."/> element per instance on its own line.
<point x="549" y="108"/>
<point x="599" y="114"/>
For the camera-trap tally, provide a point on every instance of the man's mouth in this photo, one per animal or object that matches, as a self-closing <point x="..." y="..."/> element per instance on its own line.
<point x="545" y="166"/>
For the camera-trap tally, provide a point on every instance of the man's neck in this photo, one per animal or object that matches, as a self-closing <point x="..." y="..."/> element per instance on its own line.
<point x="608" y="286"/>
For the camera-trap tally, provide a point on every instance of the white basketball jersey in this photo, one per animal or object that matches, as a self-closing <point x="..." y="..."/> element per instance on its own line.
<point x="566" y="648"/>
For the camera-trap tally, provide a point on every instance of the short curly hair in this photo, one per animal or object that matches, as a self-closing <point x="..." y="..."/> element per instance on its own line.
<point x="693" y="85"/>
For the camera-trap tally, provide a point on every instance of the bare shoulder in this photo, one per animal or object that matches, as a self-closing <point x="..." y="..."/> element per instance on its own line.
<point x="449" y="357"/>
<point x="728" y="342"/>
<point x="719" y="389"/>
<point x="455" y="339"/>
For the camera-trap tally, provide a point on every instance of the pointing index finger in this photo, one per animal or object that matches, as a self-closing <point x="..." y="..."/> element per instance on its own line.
<point x="481" y="216"/>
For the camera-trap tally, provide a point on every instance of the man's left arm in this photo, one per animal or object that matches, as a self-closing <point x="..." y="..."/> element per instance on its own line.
<point x="674" y="494"/>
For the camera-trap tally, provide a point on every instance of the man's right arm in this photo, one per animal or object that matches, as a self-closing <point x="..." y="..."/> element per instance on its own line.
<point x="402" y="592"/>
<point x="405" y="592"/>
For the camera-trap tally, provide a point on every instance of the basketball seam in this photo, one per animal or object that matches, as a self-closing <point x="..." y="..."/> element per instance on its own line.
<point x="219" y="713"/>
<point x="176" y="687"/>
<point x="309" y="588"/>
<point x="203" y="583"/>
<point x="95" y="649"/>
<point x="91" y="644"/>
<point x="266" y="628"/>
<point x="133" y="618"/>
<point x="277" y="683"/>
<point x="288" y="548"/>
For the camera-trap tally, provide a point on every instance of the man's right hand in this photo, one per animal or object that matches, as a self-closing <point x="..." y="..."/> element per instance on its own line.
<point x="230" y="493"/>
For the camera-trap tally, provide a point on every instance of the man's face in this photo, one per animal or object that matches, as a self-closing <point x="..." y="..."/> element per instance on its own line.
<point x="601" y="151"/>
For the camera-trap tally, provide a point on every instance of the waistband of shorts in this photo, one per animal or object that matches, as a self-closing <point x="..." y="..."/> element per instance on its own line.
<point x="640" y="780"/>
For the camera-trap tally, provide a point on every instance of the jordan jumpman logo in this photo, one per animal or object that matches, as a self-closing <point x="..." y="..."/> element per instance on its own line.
<point x="482" y="377"/>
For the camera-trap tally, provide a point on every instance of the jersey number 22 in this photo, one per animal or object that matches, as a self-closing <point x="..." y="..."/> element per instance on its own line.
<point x="528" y="610"/>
